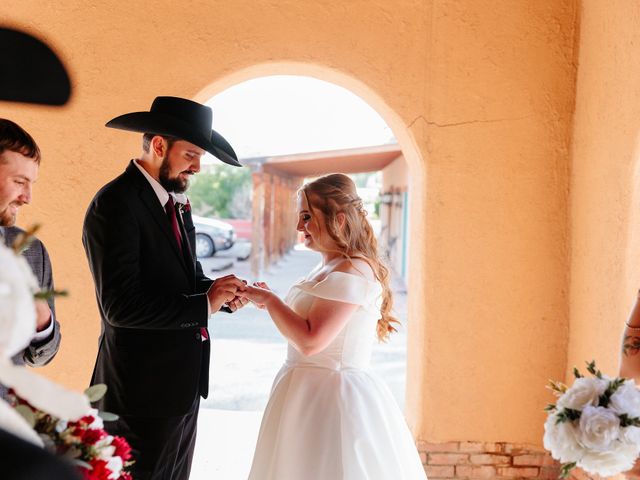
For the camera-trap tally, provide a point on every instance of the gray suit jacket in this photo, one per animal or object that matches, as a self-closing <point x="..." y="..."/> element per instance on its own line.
<point x="40" y="353"/>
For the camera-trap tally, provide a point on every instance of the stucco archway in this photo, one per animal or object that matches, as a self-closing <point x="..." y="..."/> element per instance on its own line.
<point x="487" y="94"/>
<point x="417" y="190"/>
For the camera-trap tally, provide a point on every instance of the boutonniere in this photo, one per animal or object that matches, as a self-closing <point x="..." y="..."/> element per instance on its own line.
<point x="184" y="207"/>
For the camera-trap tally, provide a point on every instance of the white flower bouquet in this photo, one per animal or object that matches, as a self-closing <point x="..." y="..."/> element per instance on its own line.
<point x="595" y="424"/>
<point x="42" y="412"/>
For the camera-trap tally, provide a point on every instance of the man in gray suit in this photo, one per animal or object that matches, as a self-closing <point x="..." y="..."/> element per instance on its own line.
<point x="19" y="163"/>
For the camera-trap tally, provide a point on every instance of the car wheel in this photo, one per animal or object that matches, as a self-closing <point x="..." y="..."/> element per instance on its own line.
<point x="204" y="246"/>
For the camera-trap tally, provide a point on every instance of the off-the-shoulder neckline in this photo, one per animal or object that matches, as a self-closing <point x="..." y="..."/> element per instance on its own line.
<point x="317" y="282"/>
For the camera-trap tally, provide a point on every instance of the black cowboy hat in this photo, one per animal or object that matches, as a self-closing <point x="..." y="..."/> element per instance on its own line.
<point x="30" y="71"/>
<point x="180" y="118"/>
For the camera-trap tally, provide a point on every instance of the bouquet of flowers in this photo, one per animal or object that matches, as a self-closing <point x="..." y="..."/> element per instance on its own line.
<point x="96" y="454"/>
<point x="42" y="412"/>
<point x="595" y="424"/>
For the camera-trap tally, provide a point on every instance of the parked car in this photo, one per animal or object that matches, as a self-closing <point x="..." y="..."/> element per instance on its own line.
<point x="212" y="236"/>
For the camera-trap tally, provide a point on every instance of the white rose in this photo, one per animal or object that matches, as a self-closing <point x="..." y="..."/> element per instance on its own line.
<point x="97" y="419"/>
<point x="61" y="426"/>
<point x="626" y="399"/>
<point x="561" y="440"/>
<point x="105" y="453"/>
<point x="620" y="459"/>
<point x="584" y="391"/>
<point x="17" y="308"/>
<point x="630" y="435"/>
<point x="599" y="428"/>
<point x="115" y="465"/>
<point x="105" y="442"/>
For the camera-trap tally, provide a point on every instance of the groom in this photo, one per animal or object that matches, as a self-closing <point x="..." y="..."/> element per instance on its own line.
<point x="153" y="296"/>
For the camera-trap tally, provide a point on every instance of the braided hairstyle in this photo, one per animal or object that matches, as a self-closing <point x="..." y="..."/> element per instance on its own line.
<point x="336" y="193"/>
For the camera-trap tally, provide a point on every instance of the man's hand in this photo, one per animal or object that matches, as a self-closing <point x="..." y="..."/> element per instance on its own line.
<point x="43" y="315"/>
<point x="224" y="290"/>
<point x="237" y="303"/>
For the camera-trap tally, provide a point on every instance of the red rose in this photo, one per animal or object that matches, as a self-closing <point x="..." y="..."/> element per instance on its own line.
<point x="125" y="476"/>
<point x="123" y="450"/>
<point x="92" y="435"/>
<point x="99" y="471"/>
<point x="88" y="419"/>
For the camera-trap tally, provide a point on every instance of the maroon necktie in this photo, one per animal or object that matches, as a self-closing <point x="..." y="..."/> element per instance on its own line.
<point x="173" y="219"/>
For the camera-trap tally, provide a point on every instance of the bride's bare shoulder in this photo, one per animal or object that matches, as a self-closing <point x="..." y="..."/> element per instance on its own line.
<point x="356" y="266"/>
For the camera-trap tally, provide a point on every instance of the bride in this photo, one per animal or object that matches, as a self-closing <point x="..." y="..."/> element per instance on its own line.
<point x="329" y="417"/>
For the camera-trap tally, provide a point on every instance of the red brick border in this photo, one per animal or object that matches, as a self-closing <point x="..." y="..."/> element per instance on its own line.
<point x="466" y="460"/>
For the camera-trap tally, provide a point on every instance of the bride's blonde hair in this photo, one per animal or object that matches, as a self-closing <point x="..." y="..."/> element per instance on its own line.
<point x="334" y="194"/>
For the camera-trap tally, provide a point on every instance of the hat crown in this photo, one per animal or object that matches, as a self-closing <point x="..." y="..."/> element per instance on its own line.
<point x="200" y="117"/>
<point x="180" y="118"/>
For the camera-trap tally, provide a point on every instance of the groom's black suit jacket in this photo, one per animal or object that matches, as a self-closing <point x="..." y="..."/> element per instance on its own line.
<point x="152" y="300"/>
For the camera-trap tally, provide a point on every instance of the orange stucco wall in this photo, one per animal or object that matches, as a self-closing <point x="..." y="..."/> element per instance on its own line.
<point x="480" y="96"/>
<point x="605" y="183"/>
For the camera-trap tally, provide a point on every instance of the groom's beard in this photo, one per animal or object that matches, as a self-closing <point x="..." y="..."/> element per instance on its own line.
<point x="175" y="184"/>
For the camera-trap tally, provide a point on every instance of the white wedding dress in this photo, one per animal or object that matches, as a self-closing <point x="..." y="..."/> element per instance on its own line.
<point x="329" y="417"/>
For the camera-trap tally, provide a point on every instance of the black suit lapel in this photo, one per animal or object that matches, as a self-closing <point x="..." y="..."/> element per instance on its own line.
<point x="150" y="200"/>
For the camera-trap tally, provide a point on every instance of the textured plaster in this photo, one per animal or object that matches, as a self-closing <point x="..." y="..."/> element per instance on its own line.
<point x="480" y="96"/>
<point x="605" y="183"/>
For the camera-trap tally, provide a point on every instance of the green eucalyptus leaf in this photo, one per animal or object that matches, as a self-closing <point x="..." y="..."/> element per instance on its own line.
<point x="108" y="416"/>
<point x="567" y="415"/>
<point x="612" y="387"/>
<point x="96" y="392"/>
<point x="47" y="294"/>
<point x="626" y="421"/>
<point x="566" y="469"/>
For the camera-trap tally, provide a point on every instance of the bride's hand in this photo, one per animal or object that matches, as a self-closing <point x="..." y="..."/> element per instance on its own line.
<point x="261" y="285"/>
<point x="258" y="294"/>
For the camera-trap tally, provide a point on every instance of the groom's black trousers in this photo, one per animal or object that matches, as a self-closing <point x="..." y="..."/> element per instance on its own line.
<point x="162" y="447"/>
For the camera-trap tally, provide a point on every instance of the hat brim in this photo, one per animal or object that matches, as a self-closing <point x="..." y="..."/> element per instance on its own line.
<point x="161" y="124"/>
<point x="30" y="71"/>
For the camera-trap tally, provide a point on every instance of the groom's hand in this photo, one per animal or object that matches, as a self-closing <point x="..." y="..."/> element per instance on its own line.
<point x="224" y="290"/>
<point x="238" y="302"/>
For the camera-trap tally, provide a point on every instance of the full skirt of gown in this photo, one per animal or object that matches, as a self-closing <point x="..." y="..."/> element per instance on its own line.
<point x="329" y="417"/>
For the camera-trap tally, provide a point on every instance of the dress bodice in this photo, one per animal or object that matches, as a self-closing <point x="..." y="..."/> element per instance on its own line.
<point x="353" y="345"/>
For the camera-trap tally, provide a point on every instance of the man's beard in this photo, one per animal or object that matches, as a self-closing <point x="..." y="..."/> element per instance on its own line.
<point x="7" y="217"/>
<point x="176" y="184"/>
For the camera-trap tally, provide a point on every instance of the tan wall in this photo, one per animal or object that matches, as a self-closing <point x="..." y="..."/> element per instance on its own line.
<point x="480" y="96"/>
<point x="605" y="184"/>
<point x="395" y="178"/>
